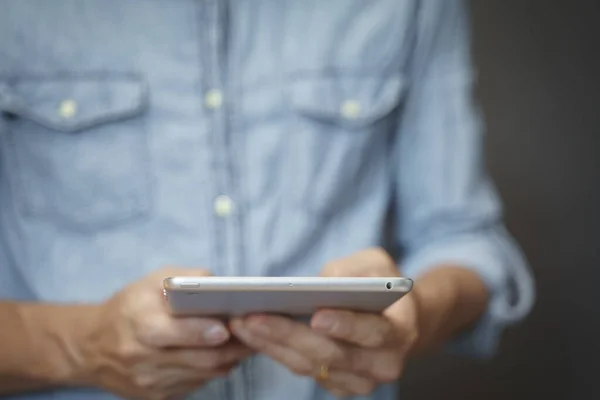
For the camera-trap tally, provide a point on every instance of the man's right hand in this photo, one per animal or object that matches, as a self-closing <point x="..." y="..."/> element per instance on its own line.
<point x="132" y="347"/>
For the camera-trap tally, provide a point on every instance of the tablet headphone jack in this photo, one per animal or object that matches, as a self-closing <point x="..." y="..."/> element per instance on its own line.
<point x="389" y="285"/>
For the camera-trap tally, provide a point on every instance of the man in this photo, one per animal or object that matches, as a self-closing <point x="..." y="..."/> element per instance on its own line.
<point x="240" y="138"/>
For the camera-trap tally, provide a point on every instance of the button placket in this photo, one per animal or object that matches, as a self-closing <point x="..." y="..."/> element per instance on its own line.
<point x="213" y="99"/>
<point x="227" y="246"/>
<point x="223" y="206"/>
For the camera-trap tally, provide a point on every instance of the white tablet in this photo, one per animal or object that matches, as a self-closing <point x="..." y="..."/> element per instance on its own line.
<point x="293" y="296"/>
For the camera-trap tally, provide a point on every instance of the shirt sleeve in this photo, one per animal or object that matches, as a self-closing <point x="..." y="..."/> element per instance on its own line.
<point x="448" y="209"/>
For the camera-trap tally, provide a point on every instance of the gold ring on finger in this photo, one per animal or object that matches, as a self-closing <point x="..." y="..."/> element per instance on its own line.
<point x="323" y="372"/>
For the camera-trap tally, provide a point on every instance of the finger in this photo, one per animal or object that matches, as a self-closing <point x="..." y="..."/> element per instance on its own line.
<point x="341" y="383"/>
<point x="172" y="379"/>
<point x="174" y="387"/>
<point x="273" y="330"/>
<point x="184" y="367"/>
<point x="205" y="359"/>
<point x="162" y="331"/>
<point x="374" y="262"/>
<point x="381" y="365"/>
<point x="362" y="329"/>
<point x="296" y="361"/>
<point x="154" y="382"/>
<point x="290" y="358"/>
<point x="158" y="379"/>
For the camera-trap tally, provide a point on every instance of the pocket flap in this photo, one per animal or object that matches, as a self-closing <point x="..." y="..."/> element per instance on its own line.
<point x="71" y="104"/>
<point x="352" y="101"/>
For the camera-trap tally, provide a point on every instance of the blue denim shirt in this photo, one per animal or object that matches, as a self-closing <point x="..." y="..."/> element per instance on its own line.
<point x="260" y="137"/>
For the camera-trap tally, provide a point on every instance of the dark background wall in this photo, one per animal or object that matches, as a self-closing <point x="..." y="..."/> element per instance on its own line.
<point x="539" y="67"/>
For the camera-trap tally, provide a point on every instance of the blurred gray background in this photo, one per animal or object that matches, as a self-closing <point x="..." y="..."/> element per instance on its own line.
<point x="539" y="87"/>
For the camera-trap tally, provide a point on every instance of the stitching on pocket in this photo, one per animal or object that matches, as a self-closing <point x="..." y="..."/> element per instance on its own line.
<point x="14" y="101"/>
<point x="337" y="146"/>
<point x="132" y="201"/>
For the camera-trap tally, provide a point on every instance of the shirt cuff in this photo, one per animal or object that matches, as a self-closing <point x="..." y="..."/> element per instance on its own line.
<point x="499" y="262"/>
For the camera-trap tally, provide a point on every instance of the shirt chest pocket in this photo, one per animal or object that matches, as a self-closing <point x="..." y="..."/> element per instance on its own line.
<point x="77" y="149"/>
<point x="339" y="138"/>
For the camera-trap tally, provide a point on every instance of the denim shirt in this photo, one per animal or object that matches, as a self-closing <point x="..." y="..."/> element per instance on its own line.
<point x="260" y="137"/>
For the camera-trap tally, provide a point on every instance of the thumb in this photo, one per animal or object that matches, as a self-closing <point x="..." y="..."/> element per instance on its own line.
<point x="357" y="265"/>
<point x="369" y="263"/>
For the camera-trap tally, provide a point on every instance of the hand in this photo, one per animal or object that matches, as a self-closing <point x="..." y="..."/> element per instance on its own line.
<point x="349" y="353"/>
<point x="132" y="347"/>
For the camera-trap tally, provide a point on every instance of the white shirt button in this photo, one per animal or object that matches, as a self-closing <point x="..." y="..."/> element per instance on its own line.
<point x="67" y="109"/>
<point x="213" y="99"/>
<point x="350" y="109"/>
<point x="223" y="206"/>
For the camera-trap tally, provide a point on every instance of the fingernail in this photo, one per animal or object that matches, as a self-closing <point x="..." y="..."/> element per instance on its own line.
<point x="215" y="334"/>
<point x="324" y="322"/>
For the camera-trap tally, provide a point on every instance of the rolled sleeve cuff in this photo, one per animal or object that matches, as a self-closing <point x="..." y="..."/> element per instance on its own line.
<point x="501" y="266"/>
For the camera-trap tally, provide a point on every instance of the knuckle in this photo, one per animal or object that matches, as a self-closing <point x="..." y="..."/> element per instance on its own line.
<point x="329" y="356"/>
<point x="374" y="339"/>
<point x="378" y="335"/>
<point x="130" y="352"/>
<point x="149" y="336"/>
<point x="358" y="362"/>
<point x="146" y="336"/>
<point x="366" y="338"/>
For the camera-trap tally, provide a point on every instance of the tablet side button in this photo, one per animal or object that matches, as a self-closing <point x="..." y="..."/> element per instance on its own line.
<point x="189" y="285"/>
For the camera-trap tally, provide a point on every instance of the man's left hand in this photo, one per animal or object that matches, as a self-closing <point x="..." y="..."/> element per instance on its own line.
<point x="349" y="353"/>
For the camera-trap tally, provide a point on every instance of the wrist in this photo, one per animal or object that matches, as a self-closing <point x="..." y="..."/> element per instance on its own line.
<point x="434" y="300"/>
<point x="449" y="299"/>
<point x="58" y="333"/>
